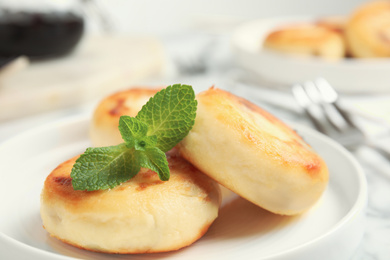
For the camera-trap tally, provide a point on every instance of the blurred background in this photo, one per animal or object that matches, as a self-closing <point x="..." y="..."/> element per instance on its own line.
<point x="61" y="56"/>
<point x="80" y="50"/>
<point x="160" y="17"/>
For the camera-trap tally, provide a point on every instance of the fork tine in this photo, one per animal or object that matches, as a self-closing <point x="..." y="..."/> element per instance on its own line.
<point x="321" y="97"/>
<point x="323" y="114"/>
<point x="330" y="96"/>
<point x="327" y="117"/>
<point x="328" y="93"/>
<point x="306" y="103"/>
<point x="325" y="98"/>
<point x="300" y="95"/>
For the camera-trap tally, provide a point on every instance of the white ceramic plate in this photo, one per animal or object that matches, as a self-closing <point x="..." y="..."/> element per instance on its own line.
<point x="347" y="75"/>
<point x="332" y="229"/>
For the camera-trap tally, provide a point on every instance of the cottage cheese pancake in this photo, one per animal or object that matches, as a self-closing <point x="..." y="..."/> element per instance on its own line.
<point x="142" y="215"/>
<point x="368" y="30"/>
<point x="254" y="154"/>
<point x="104" y="125"/>
<point x="307" y="40"/>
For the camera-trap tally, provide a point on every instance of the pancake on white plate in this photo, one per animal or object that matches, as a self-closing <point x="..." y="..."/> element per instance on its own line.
<point x="105" y="120"/>
<point x="254" y="154"/>
<point x="142" y="215"/>
<point x="307" y="39"/>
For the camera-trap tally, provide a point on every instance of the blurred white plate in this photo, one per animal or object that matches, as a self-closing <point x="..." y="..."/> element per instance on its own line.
<point x="347" y="75"/>
<point x="332" y="229"/>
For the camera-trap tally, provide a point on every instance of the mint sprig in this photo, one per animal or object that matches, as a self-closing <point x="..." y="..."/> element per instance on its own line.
<point x="169" y="114"/>
<point x="162" y="123"/>
<point x="104" y="167"/>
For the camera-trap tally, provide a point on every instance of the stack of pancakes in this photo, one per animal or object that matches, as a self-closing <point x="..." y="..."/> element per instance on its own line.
<point x="233" y="143"/>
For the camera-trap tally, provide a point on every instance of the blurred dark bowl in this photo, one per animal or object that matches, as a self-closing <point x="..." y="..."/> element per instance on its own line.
<point x="39" y="35"/>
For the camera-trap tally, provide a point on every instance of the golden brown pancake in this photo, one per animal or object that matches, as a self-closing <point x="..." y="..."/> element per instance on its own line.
<point x="307" y="39"/>
<point x="338" y="25"/>
<point x="254" y="154"/>
<point x="142" y="215"/>
<point x="104" y="125"/>
<point x="368" y="30"/>
<point x="335" y="23"/>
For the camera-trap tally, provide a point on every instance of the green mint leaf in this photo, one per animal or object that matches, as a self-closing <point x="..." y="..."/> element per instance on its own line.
<point x="146" y="142"/>
<point x="104" y="167"/>
<point x="162" y="123"/>
<point x="134" y="132"/>
<point x="156" y="160"/>
<point x="170" y="115"/>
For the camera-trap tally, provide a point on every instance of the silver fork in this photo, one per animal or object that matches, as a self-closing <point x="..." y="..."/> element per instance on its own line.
<point x="321" y="104"/>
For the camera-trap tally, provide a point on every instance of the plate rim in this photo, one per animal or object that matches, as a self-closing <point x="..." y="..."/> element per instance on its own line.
<point x="358" y="205"/>
<point x="360" y="201"/>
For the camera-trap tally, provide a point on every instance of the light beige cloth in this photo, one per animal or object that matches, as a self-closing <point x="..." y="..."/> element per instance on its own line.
<point x="99" y="66"/>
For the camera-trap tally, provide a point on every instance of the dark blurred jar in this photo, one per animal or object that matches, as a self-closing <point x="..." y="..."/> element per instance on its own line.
<point x="39" y="32"/>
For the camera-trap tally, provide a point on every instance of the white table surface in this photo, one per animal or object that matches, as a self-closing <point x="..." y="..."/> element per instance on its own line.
<point x="221" y="73"/>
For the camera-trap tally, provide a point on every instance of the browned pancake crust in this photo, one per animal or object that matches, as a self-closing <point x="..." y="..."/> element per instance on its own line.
<point x="307" y="39"/>
<point x="116" y="105"/>
<point x="293" y="151"/>
<point x="105" y="120"/>
<point x="58" y="190"/>
<point x="254" y="154"/>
